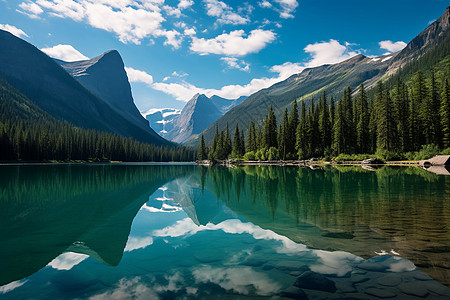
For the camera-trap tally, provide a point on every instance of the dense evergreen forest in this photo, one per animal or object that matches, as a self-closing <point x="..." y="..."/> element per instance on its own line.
<point x="27" y="133"/>
<point x="389" y="123"/>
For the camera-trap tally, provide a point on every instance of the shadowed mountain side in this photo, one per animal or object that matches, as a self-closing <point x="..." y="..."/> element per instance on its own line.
<point x="51" y="88"/>
<point x="105" y="76"/>
<point x="49" y="210"/>
<point x="322" y="209"/>
<point x="311" y="82"/>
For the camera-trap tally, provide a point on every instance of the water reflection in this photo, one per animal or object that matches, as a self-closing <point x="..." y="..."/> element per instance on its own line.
<point x="191" y="232"/>
<point x="46" y="210"/>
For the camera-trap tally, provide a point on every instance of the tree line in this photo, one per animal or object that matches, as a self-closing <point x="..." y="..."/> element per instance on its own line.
<point x="27" y="133"/>
<point x="386" y="122"/>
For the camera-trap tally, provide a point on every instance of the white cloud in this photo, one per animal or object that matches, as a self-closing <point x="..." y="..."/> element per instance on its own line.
<point x="131" y="21"/>
<point x="321" y="53"/>
<point x="242" y="280"/>
<point x="224" y="13"/>
<point x="233" y="43"/>
<point x="234" y="63"/>
<point x="287" y="69"/>
<point x="128" y="289"/>
<point x="64" y="52"/>
<point x="190" y="31"/>
<point x="139" y="76"/>
<point x="328" y="53"/>
<point x="12" y="286"/>
<point x="183" y="91"/>
<point x="392" y="47"/>
<point x="13" y="30"/>
<point x="265" y="4"/>
<point x="30" y="9"/>
<point x="285" y="8"/>
<point x="67" y="261"/>
<point x="135" y="243"/>
<point x="183" y="4"/>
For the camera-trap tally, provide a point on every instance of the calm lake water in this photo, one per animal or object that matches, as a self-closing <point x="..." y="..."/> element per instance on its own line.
<point x="191" y="232"/>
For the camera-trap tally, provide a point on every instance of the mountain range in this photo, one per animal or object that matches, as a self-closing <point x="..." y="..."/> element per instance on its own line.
<point x="429" y="45"/>
<point x="93" y="94"/>
<point x="198" y="113"/>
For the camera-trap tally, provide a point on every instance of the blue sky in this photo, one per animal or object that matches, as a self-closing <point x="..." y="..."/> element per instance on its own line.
<point x="175" y="48"/>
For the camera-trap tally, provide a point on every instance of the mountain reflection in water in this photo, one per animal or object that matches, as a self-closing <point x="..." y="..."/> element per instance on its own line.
<point x="188" y="231"/>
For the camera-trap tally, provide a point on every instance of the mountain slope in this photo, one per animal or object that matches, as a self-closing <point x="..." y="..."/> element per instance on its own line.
<point x="196" y="116"/>
<point x="330" y="78"/>
<point x="106" y="78"/>
<point x="52" y="89"/>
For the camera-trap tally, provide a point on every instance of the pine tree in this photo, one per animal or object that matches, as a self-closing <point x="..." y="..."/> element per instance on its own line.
<point x="386" y="129"/>
<point x="283" y="135"/>
<point x="202" y="151"/>
<point x="401" y="114"/>
<point x="434" y="103"/>
<point x="237" y="144"/>
<point x="324" y="124"/>
<point x="300" y="135"/>
<point x="291" y="134"/>
<point x="270" y="130"/>
<point x="252" y="144"/>
<point x="424" y="122"/>
<point x="362" y="119"/>
<point x="339" y="129"/>
<point x="445" y="114"/>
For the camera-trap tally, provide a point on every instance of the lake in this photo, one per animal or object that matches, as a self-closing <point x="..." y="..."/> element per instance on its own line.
<point x="146" y="231"/>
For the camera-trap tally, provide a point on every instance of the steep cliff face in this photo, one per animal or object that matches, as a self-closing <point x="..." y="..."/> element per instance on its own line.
<point x="106" y="78"/>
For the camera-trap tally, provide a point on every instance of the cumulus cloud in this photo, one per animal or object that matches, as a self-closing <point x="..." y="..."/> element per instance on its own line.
<point x="242" y="280"/>
<point x="287" y="8"/>
<point x="131" y="21"/>
<point x="321" y="53"/>
<point x="13" y="30"/>
<point x="139" y="76"/>
<point x="64" y="52"/>
<point x="234" y="63"/>
<point x="224" y="13"/>
<point x="392" y="47"/>
<point x="234" y="43"/>
<point x="30" y="9"/>
<point x="330" y="52"/>
<point x="265" y="4"/>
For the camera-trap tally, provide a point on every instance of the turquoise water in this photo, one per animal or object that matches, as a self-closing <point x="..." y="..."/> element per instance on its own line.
<point x="191" y="232"/>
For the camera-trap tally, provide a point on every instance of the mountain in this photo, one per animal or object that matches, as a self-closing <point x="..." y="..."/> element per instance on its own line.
<point x="51" y="88"/>
<point x="334" y="78"/>
<point x="161" y="119"/>
<point x="106" y="78"/>
<point x="198" y="113"/>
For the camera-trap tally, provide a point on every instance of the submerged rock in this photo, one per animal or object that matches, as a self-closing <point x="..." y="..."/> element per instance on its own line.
<point x="294" y="293"/>
<point x="315" y="281"/>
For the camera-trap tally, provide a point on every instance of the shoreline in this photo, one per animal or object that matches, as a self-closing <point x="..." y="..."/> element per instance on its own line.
<point x="304" y="163"/>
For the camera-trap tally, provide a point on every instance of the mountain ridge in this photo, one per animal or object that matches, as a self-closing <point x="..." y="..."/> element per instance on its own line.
<point x="332" y="78"/>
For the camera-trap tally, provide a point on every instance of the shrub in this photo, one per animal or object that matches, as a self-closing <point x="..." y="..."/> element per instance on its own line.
<point x="272" y="153"/>
<point x="250" y="156"/>
<point x="426" y="152"/>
